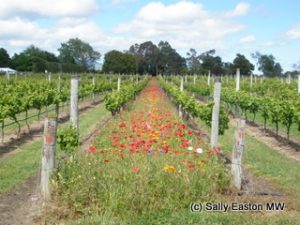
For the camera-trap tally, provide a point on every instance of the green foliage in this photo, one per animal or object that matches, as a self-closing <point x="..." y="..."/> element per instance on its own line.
<point x="195" y="109"/>
<point x="68" y="139"/>
<point x="116" y="99"/>
<point x="5" y="60"/>
<point x="79" y="52"/>
<point x="118" y="62"/>
<point x="245" y="66"/>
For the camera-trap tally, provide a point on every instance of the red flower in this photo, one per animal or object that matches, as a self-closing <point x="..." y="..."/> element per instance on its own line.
<point x="106" y="160"/>
<point x="135" y="170"/>
<point x="122" y="125"/>
<point x="122" y="145"/>
<point x="92" y="149"/>
<point x="191" y="167"/>
<point x="190" y="132"/>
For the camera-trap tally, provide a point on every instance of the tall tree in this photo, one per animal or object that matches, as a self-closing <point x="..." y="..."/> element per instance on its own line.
<point x="211" y="62"/>
<point x="246" y="67"/>
<point x="193" y="63"/>
<point x="79" y="52"/>
<point x="32" y="59"/>
<point x="5" y="60"/>
<point x="118" y="62"/>
<point x="267" y="64"/>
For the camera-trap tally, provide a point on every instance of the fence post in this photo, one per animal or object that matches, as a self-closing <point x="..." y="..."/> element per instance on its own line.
<point x="251" y="80"/>
<point x="298" y="84"/>
<point x="215" y="115"/>
<point x="119" y="83"/>
<point x="94" y="82"/>
<point x="237" y="87"/>
<point x="208" y="78"/>
<point x="195" y="79"/>
<point x="289" y="79"/>
<point x="74" y="102"/>
<point x="181" y="90"/>
<point x="48" y="156"/>
<point x="238" y="149"/>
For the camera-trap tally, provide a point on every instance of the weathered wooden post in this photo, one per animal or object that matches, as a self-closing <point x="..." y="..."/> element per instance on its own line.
<point x="119" y="83"/>
<point x="251" y="80"/>
<point x="237" y="87"/>
<point x="208" y="78"/>
<point x="74" y="102"/>
<point x="94" y="82"/>
<point x="195" y="77"/>
<point x="298" y="84"/>
<point x="215" y="115"/>
<point x="288" y="79"/>
<point x="238" y="149"/>
<point x="185" y="80"/>
<point x="49" y="77"/>
<point x="7" y="75"/>
<point x="181" y="90"/>
<point x="48" y="157"/>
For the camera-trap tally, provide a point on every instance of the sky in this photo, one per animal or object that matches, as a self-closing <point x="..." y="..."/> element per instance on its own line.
<point x="229" y="27"/>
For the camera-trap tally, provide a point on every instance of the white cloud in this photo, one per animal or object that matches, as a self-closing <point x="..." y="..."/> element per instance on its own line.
<point x="121" y="2"/>
<point x="247" y="39"/>
<point x="240" y="10"/>
<point x="294" y="33"/>
<point x="184" y="24"/>
<point x="47" y="8"/>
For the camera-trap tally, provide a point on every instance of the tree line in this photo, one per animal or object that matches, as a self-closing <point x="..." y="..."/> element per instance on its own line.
<point x="76" y="55"/>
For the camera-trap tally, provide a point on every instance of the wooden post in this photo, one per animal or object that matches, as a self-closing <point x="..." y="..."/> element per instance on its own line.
<point x="74" y="102"/>
<point x="181" y="90"/>
<point x="238" y="149"/>
<point x="251" y="80"/>
<point x="7" y="75"/>
<point x="49" y="77"/>
<point x="208" y="78"/>
<point x="119" y="83"/>
<point x="195" y="77"/>
<point x="237" y="87"/>
<point x="298" y="84"/>
<point x="215" y="115"/>
<point x="94" y="82"/>
<point x="185" y="81"/>
<point x="289" y="79"/>
<point x="48" y="157"/>
<point x="255" y="77"/>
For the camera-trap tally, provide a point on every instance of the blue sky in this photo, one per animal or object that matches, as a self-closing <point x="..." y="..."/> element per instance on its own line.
<point x="230" y="27"/>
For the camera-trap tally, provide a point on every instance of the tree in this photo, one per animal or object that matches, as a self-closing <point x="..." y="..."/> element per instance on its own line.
<point x="246" y="67"/>
<point x="193" y="63"/>
<point x="267" y="64"/>
<point x="170" y="62"/>
<point x="211" y="62"/>
<point x="5" y="60"/>
<point x="118" y="62"/>
<point x="79" y="52"/>
<point x="33" y="59"/>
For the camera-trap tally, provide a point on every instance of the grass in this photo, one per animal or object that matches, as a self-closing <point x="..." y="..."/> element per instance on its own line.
<point x="188" y="218"/>
<point x="264" y="161"/>
<point x="26" y="161"/>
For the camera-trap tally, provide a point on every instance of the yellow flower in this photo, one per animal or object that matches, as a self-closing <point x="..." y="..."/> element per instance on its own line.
<point x="171" y="169"/>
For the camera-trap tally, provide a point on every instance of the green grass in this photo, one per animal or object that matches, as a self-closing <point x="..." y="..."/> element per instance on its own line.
<point x="20" y="166"/>
<point x="188" y="218"/>
<point x="264" y="161"/>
